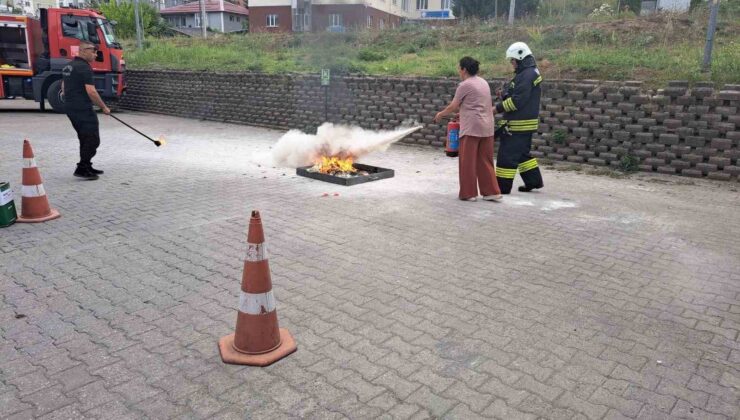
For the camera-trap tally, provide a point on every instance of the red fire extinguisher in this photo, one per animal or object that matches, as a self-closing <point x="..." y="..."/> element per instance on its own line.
<point x="453" y="138"/>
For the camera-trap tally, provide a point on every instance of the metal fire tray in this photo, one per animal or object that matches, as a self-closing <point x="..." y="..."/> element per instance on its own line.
<point x="374" y="174"/>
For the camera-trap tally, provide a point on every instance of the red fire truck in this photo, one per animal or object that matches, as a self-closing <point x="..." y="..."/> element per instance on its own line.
<point x="33" y="52"/>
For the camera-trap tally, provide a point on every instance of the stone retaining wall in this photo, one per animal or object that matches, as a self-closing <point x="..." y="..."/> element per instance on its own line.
<point x="691" y="131"/>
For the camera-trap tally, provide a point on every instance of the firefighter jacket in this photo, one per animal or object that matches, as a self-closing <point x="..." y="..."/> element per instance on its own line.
<point x="521" y="100"/>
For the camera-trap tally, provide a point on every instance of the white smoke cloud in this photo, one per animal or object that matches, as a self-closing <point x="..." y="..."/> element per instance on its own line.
<point x="296" y="148"/>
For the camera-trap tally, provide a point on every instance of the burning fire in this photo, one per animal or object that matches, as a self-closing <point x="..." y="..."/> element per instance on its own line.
<point x="334" y="164"/>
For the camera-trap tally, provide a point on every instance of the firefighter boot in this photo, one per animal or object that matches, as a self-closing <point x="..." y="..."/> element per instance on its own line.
<point x="530" y="173"/>
<point x="96" y="171"/>
<point x="83" y="171"/>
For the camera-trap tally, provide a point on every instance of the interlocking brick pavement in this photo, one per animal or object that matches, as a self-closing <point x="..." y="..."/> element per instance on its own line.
<point x="596" y="298"/>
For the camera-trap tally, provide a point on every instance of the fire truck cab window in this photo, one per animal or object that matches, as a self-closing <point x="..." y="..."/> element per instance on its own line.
<point x="76" y="27"/>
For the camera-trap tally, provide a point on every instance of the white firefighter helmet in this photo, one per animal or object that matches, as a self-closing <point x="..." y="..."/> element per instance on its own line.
<point x="518" y="51"/>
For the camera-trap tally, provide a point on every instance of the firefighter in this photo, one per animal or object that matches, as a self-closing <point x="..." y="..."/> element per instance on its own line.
<point x="79" y="96"/>
<point x="520" y="104"/>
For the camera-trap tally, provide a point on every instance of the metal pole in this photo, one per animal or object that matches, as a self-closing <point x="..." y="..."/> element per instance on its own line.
<point x="222" y="10"/>
<point x="512" y="8"/>
<point x="707" y="64"/>
<point x="495" y="10"/>
<point x="203" y="19"/>
<point x="138" y="25"/>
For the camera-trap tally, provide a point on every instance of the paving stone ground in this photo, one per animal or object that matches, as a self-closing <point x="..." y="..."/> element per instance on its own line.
<point x="596" y="298"/>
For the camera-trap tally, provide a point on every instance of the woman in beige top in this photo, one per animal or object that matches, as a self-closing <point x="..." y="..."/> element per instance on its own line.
<point x="473" y="100"/>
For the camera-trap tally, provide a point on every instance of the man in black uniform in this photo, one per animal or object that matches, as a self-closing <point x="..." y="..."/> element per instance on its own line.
<point x="79" y="96"/>
<point x="521" y="107"/>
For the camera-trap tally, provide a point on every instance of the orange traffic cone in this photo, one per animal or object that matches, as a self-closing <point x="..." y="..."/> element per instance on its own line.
<point x="34" y="204"/>
<point x="258" y="341"/>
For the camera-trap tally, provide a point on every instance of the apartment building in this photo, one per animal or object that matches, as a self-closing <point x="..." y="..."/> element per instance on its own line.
<point x="340" y="15"/>
<point x="431" y="10"/>
<point x="31" y="7"/>
<point x="223" y="16"/>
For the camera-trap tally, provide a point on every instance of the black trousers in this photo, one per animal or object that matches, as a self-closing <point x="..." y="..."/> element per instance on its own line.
<point x="513" y="154"/>
<point x="85" y="123"/>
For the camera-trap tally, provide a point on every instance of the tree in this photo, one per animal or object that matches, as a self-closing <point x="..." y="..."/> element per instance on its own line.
<point x="123" y="14"/>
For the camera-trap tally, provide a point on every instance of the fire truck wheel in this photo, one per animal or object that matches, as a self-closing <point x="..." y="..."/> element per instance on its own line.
<point x="54" y="95"/>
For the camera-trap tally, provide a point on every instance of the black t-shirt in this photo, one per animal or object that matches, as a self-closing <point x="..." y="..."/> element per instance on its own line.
<point x="77" y="74"/>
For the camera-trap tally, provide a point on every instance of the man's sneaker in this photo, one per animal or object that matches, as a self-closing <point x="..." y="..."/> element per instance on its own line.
<point x="85" y="173"/>
<point x="96" y="171"/>
<point x="493" y="197"/>
<point x="525" y="188"/>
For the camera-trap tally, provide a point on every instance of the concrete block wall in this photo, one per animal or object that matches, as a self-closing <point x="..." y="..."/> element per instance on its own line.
<point x="692" y="131"/>
<point x="681" y="129"/>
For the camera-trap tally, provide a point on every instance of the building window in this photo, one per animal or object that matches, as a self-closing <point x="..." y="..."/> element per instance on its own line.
<point x="446" y="4"/>
<point x="272" y="21"/>
<point x="422" y="4"/>
<point x="395" y="2"/>
<point x="197" y="20"/>
<point x="335" y="19"/>
<point x="238" y="18"/>
<point x="405" y="5"/>
<point x="369" y="21"/>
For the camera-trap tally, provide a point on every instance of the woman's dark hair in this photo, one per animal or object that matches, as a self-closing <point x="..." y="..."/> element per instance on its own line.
<point x="470" y="65"/>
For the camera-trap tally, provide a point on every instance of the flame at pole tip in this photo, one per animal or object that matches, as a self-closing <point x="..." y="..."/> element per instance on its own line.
<point x="295" y="148"/>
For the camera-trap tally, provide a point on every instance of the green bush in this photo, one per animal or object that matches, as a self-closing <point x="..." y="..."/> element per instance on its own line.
<point x="255" y="67"/>
<point x="629" y="163"/>
<point x="445" y="72"/>
<point x="408" y="49"/>
<point x="556" y="37"/>
<point x="592" y="35"/>
<point x="427" y="40"/>
<point x="345" y="66"/>
<point x="559" y="136"/>
<point x="367" y="54"/>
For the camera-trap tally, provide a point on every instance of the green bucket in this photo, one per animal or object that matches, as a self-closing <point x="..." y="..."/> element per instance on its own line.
<point x="7" y="206"/>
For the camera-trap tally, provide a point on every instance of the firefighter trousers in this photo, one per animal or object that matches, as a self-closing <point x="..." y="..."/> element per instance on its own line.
<point x="513" y="154"/>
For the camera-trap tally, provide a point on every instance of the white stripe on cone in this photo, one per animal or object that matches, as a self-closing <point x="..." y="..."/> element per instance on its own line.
<point x="29" y="162"/>
<point x="256" y="252"/>
<point x="256" y="303"/>
<point x="33" y="190"/>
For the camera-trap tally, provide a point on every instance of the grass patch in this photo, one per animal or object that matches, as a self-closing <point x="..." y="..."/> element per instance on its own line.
<point x="611" y="173"/>
<point x="589" y="170"/>
<point x="653" y="49"/>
